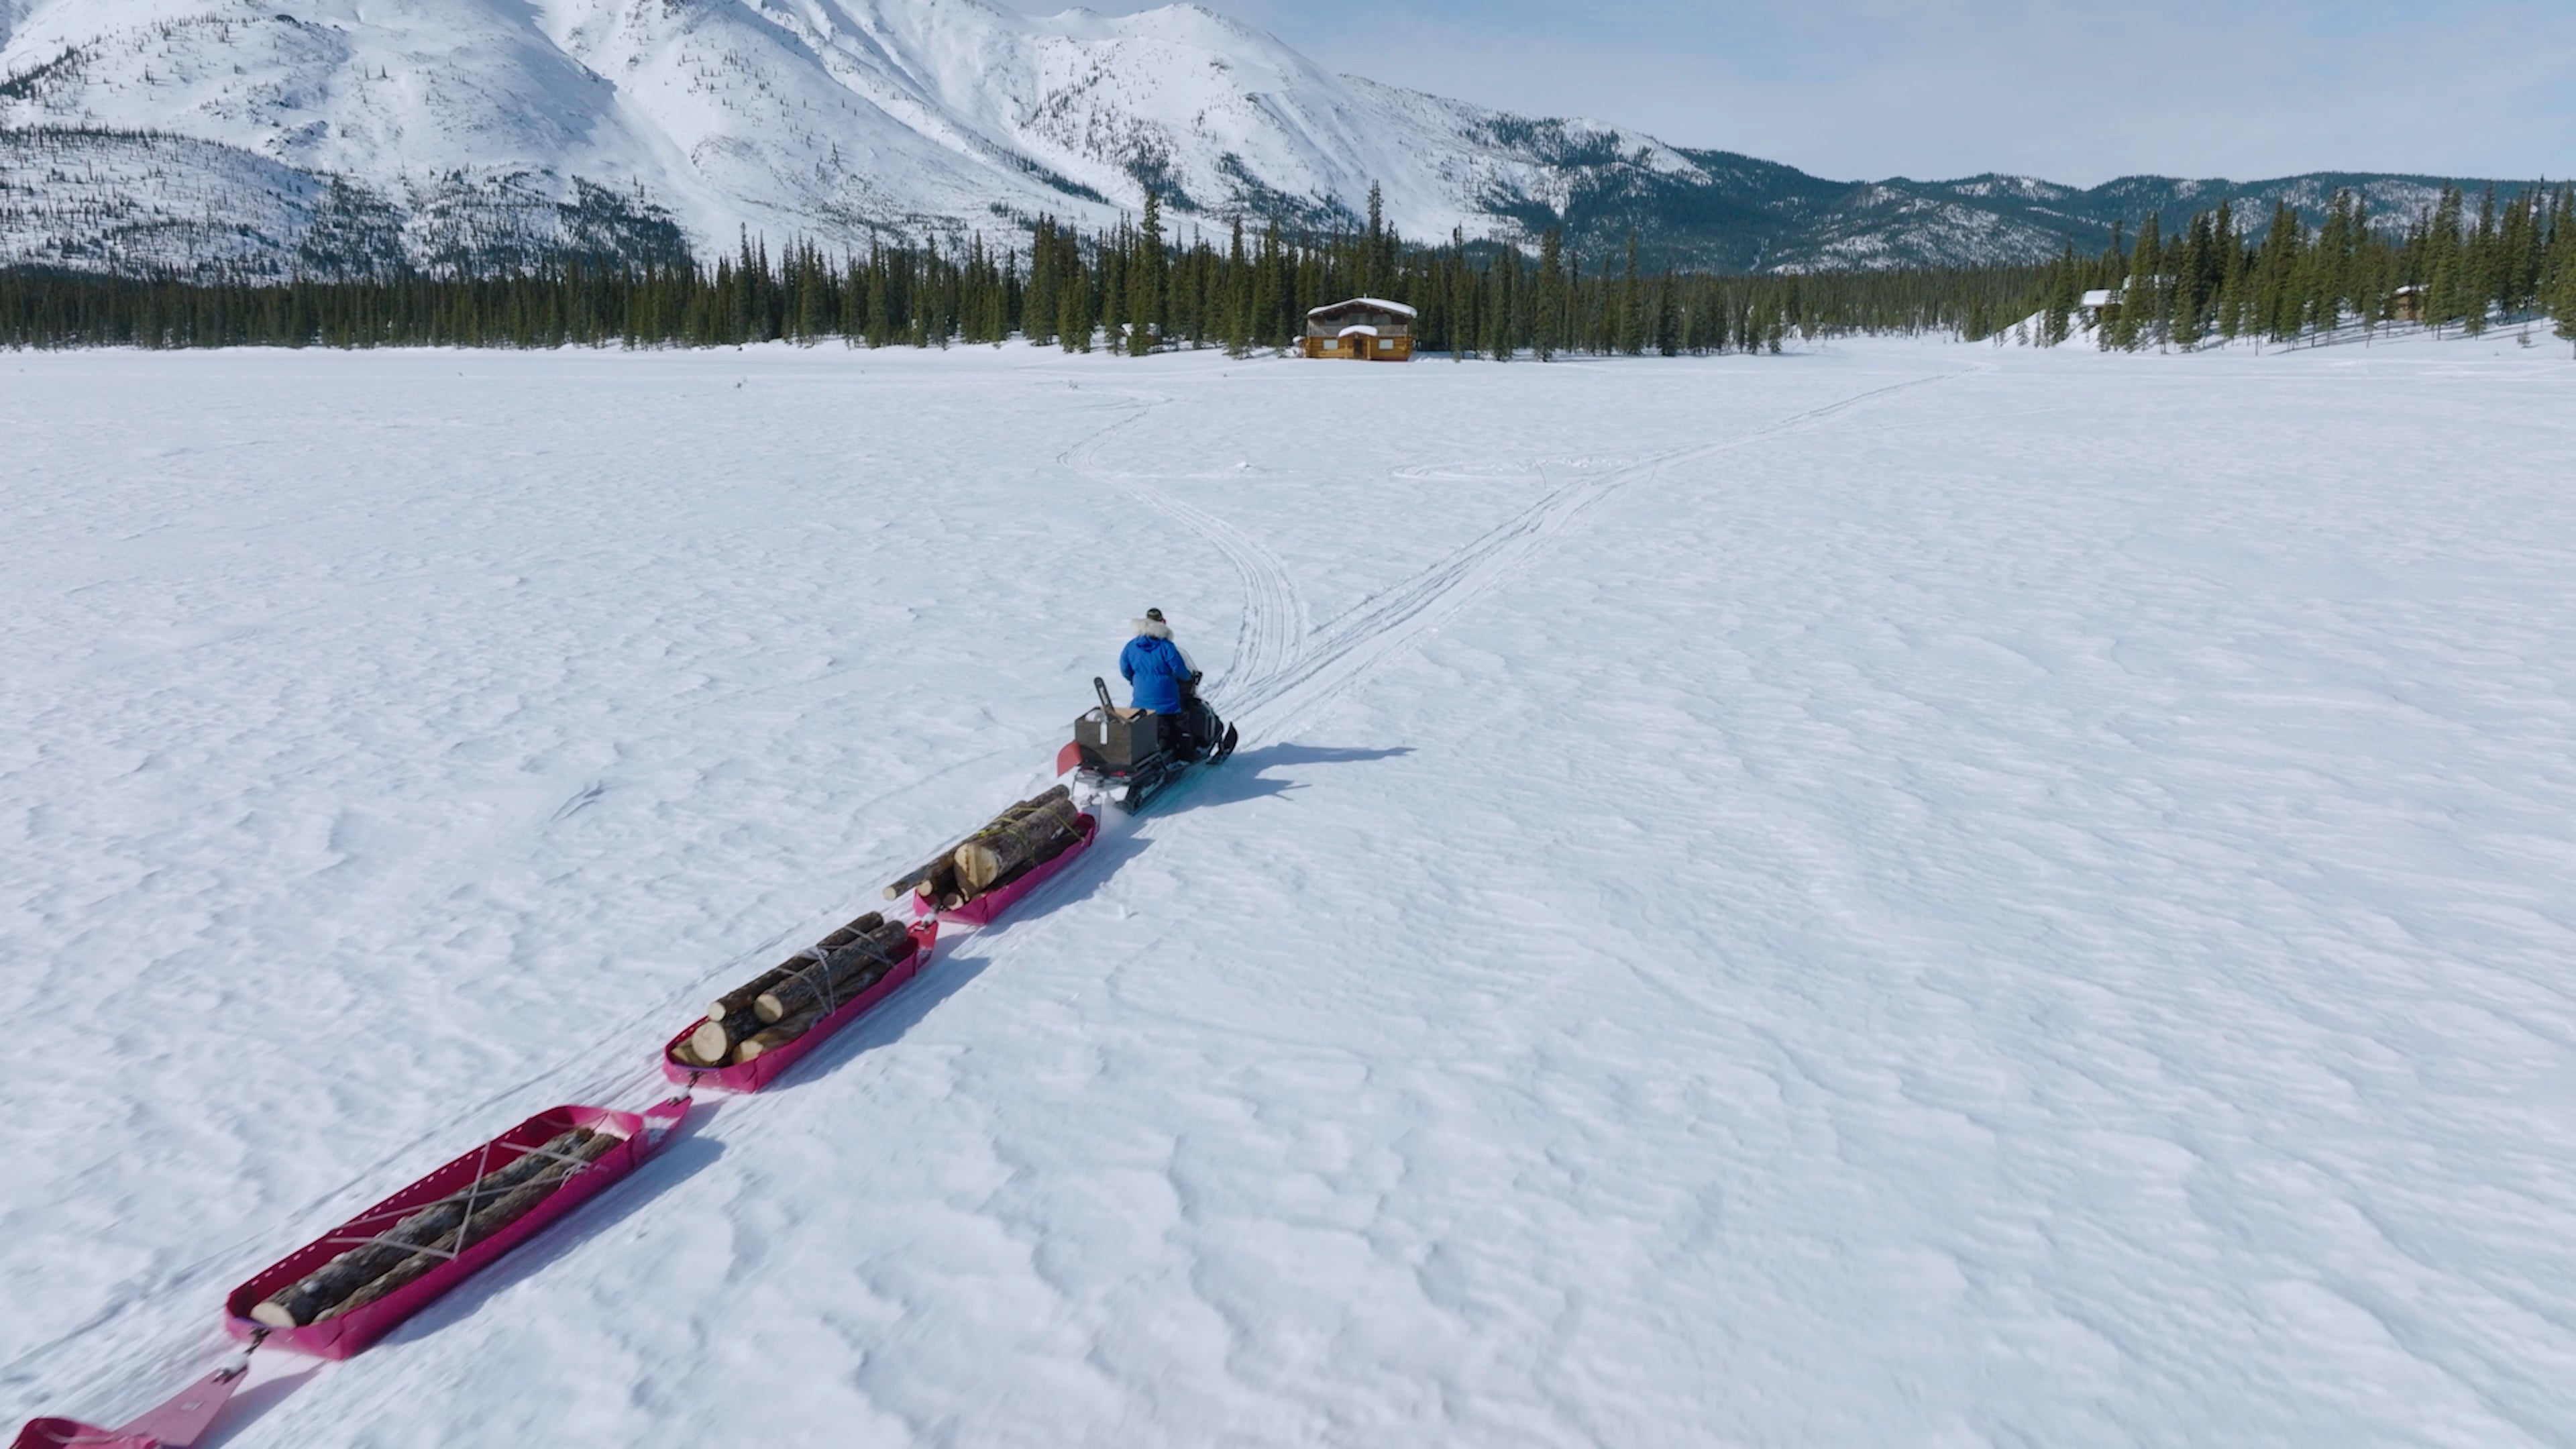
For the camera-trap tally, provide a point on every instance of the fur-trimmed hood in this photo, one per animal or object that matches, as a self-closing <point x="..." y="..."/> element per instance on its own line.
<point x="1152" y="629"/>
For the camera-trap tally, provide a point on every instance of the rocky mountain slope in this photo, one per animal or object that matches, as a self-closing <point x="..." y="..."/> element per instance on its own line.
<point x="339" y="135"/>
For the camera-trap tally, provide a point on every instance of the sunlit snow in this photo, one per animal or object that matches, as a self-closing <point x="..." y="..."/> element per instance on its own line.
<point x="1899" y="894"/>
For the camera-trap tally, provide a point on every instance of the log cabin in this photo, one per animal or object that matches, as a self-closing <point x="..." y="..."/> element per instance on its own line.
<point x="1363" y="329"/>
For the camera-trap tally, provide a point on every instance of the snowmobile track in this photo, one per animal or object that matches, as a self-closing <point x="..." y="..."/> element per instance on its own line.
<point x="1352" y="646"/>
<point x="1273" y="626"/>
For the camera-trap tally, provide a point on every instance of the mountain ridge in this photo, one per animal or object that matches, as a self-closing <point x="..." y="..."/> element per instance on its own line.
<point x="335" y="136"/>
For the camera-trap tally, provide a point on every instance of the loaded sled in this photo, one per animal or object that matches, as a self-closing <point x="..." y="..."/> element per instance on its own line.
<point x="1132" y="755"/>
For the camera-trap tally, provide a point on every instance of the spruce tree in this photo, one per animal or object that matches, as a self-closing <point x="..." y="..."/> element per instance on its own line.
<point x="1550" y="305"/>
<point x="1462" y="300"/>
<point x="1632" y="306"/>
<point x="2138" y="299"/>
<point x="2065" y="294"/>
<point x="1145" y="280"/>
<point x="2562" y="267"/>
<point x="1073" y="317"/>
<point x="1238" y="296"/>
<point x="1370" y="282"/>
<point x="1496" y="305"/>
<point x="1267" y="301"/>
<point x="1040" y="303"/>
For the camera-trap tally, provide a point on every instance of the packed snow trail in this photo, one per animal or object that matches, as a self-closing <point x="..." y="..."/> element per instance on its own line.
<point x="1285" y="669"/>
<point x="1273" y="626"/>
<point x="1357" y="643"/>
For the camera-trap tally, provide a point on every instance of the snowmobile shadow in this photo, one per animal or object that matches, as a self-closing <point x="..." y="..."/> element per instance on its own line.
<point x="1241" y="778"/>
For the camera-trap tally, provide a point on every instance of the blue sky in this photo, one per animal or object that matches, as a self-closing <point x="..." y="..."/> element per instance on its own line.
<point x="2080" y="93"/>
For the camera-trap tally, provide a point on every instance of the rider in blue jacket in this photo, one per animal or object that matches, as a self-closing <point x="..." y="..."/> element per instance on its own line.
<point x="1160" y="672"/>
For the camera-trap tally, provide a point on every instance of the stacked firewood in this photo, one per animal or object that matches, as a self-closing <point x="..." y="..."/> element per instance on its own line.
<point x="783" y="1003"/>
<point x="434" y="1234"/>
<point x="1017" y="841"/>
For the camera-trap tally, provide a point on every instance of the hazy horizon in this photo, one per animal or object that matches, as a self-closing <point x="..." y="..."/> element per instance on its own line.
<point x="1870" y="89"/>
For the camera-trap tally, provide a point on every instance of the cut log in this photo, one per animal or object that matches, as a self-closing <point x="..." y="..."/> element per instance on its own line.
<point x="838" y="977"/>
<point x="912" y="879"/>
<point x="739" y="1000"/>
<point x="772" y="1038"/>
<point x="686" y="1054"/>
<point x="936" y="881"/>
<point x="974" y="854"/>
<point x="1037" y="835"/>
<point x="851" y="932"/>
<point x="311" y="1297"/>
<point x="941" y="882"/>
<point x="491" y="1215"/>
<point x="714" y="1041"/>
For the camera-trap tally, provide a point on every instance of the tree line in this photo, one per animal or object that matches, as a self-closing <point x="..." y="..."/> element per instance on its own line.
<point x="2216" y="281"/>
<point x="1137" y="288"/>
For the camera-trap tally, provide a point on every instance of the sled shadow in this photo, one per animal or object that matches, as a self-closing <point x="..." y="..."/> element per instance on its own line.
<point x="945" y="976"/>
<point x="1242" y="778"/>
<point x="1107" y="856"/>
<point x="682" y="1157"/>
<point x="256" y="1400"/>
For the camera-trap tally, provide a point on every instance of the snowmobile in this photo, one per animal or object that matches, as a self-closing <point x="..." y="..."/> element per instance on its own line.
<point x="1132" y="756"/>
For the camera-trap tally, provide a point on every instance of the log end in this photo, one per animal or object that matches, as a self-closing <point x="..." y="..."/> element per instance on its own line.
<point x="710" y="1041"/>
<point x="978" y="865"/>
<point x="272" y="1314"/>
<point x="770" y="1008"/>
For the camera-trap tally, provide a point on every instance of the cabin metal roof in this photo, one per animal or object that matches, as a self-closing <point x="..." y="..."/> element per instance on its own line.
<point x="1363" y="304"/>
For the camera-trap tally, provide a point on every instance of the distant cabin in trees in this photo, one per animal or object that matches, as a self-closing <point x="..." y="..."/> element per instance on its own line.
<point x="2406" y="304"/>
<point x="2100" y="305"/>
<point x="1363" y="329"/>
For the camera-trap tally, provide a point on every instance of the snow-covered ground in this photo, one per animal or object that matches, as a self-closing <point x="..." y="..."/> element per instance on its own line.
<point x="1909" y="894"/>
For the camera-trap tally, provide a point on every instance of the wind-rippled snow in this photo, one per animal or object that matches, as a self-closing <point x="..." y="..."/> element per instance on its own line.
<point x="1905" y="894"/>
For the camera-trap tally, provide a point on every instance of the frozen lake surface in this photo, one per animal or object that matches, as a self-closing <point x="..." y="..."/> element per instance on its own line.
<point x="1906" y="894"/>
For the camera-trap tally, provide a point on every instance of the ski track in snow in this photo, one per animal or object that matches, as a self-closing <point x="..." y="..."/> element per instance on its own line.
<point x="2001" y="986"/>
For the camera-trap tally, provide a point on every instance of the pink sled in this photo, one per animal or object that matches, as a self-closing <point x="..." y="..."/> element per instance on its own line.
<point x="338" y="1338"/>
<point x="982" y="910"/>
<point x="179" y="1422"/>
<point x="757" y="1073"/>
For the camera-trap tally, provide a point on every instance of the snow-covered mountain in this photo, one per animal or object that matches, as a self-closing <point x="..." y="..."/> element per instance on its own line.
<point x="182" y="130"/>
<point x="272" y="135"/>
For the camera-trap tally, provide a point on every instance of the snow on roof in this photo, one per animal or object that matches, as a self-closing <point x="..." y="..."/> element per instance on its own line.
<point x="1375" y="303"/>
<point x="1359" y="330"/>
<point x="2099" y="298"/>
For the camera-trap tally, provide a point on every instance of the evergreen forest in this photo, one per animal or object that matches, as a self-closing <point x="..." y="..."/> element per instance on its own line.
<point x="1138" y="289"/>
